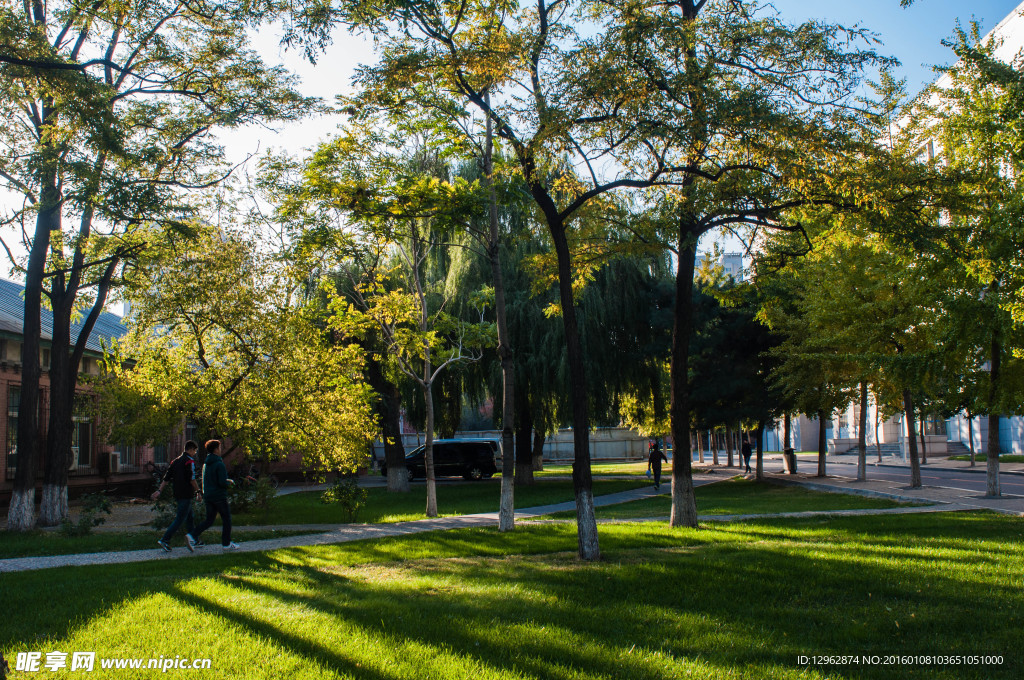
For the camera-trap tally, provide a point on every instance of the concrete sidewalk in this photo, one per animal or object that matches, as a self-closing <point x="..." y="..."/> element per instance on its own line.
<point x="934" y="462"/>
<point x="940" y="499"/>
<point x="333" y="533"/>
<point x="962" y="498"/>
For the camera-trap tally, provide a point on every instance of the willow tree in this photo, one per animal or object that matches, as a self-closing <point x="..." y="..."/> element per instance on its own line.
<point x="400" y="202"/>
<point x="111" y="110"/>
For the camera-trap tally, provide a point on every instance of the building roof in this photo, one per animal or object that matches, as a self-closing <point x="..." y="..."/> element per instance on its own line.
<point x="12" y="314"/>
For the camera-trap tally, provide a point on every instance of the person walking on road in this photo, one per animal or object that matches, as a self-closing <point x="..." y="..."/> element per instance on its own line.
<point x="654" y="463"/>
<point x="181" y="474"/>
<point x="215" y="495"/>
<point x="746" y="453"/>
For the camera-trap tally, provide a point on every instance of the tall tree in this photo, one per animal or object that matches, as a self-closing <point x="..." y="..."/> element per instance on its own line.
<point x="971" y="118"/>
<point x="113" y="108"/>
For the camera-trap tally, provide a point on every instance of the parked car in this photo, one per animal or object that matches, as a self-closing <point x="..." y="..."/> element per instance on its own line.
<point x="469" y="458"/>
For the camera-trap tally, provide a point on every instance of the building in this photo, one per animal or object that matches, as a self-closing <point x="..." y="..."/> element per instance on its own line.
<point x="94" y="462"/>
<point x="731" y="264"/>
<point x="941" y="436"/>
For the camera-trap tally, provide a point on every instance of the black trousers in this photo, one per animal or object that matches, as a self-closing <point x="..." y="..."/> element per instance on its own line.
<point x="225" y="519"/>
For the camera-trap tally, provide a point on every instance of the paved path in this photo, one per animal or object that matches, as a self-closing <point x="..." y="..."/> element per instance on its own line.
<point x="946" y="499"/>
<point x="334" y="533"/>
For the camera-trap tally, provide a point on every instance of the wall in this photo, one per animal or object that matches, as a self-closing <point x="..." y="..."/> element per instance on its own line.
<point x="606" y="444"/>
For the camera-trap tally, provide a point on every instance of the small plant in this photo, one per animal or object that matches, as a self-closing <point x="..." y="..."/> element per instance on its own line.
<point x="251" y="495"/>
<point x="346" y="493"/>
<point x="93" y="504"/>
<point x="166" y="509"/>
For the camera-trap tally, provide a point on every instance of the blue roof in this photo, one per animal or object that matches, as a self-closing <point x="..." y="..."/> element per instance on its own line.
<point x="12" y="314"/>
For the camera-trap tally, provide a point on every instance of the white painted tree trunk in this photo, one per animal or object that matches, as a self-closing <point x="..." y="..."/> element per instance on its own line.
<point x="398" y="479"/>
<point x="586" y="526"/>
<point x="21" y="515"/>
<point x="54" y="507"/>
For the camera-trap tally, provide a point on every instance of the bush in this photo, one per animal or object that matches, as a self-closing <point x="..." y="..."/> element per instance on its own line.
<point x="92" y="505"/>
<point x="166" y="509"/>
<point x="346" y="493"/>
<point x="249" y="495"/>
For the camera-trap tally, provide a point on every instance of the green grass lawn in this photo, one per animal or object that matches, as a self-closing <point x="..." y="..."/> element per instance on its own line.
<point x="981" y="457"/>
<point x="452" y="499"/>
<point x="741" y="496"/>
<point x="738" y="600"/>
<point x="33" y="543"/>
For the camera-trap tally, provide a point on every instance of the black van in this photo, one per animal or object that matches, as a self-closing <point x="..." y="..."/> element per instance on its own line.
<point x="469" y="458"/>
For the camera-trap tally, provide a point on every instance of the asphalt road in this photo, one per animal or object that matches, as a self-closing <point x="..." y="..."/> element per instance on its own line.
<point x="1012" y="484"/>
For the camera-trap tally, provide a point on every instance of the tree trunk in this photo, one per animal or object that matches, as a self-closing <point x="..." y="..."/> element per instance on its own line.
<point x="700" y="446"/>
<point x="970" y="435"/>
<point x="728" y="445"/>
<point x="787" y="427"/>
<point x="506" y="507"/>
<point x="389" y="402"/>
<point x="822" y="444"/>
<point x="759" y="468"/>
<point x="21" y="513"/>
<point x="524" y="436"/>
<point x="924" y="447"/>
<point x="586" y="522"/>
<point x="915" y="464"/>
<point x="878" y="434"/>
<point x="538" y="450"/>
<point x="714" y="450"/>
<point x="684" y="501"/>
<point x="428" y="448"/>
<point x="862" y="435"/>
<point x="992" y="459"/>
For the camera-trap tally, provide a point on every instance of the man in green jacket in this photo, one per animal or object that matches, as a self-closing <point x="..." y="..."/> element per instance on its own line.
<point x="215" y="495"/>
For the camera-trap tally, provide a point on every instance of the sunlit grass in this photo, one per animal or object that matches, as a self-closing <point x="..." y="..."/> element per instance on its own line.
<point x="981" y="458"/>
<point x="457" y="498"/>
<point x="740" y="496"/>
<point x="736" y="600"/>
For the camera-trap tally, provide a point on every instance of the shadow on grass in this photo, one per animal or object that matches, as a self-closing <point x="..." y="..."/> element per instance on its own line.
<point x="293" y="643"/>
<point x="746" y="599"/>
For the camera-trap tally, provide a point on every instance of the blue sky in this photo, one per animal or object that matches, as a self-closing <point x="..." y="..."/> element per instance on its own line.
<point x="913" y="34"/>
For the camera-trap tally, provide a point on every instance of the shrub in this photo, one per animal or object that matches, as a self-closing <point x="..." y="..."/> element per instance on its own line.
<point x="249" y="495"/>
<point x="92" y="505"/>
<point x="346" y="493"/>
<point x="166" y="509"/>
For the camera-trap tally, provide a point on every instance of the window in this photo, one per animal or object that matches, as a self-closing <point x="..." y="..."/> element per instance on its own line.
<point x="129" y="458"/>
<point x="13" y="402"/>
<point x="81" y="432"/>
<point x="160" y="454"/>
<point x="192" y="433"/>
<point x="934" y="425"/>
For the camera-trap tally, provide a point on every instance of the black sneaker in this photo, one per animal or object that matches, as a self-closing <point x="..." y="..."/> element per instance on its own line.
<point x="163" y="544"/>
<point x="198" y="543"/>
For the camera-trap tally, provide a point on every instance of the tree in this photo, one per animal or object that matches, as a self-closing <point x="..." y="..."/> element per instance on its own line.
<point x="220" y="332"/>
<point x="973" y="115"/>
<point x="647" y="88"/>
<point x="403" y="208"/>
<point x="113" y="108"/>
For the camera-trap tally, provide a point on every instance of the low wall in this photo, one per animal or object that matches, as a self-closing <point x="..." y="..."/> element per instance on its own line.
<point x="607" y="444"/>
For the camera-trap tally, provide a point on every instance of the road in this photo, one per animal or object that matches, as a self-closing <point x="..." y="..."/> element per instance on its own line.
<point x="1011" y="484"/>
